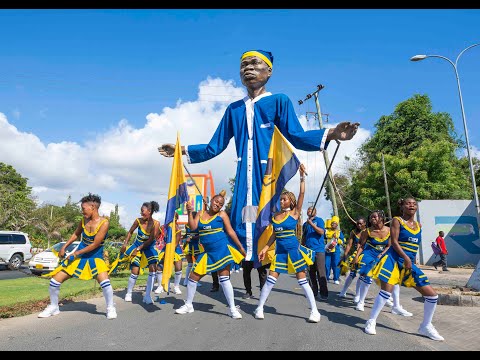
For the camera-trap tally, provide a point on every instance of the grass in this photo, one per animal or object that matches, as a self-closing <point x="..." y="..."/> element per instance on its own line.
<point x="30" y="294"/>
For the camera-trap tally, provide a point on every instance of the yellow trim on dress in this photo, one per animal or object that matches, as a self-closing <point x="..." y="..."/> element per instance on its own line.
<point x="209" y="220"/>
<point x="96" y="230"/>
<point x="408" y="228"/>
<point x="378" y="239"/>
<point x="279" y="222"/>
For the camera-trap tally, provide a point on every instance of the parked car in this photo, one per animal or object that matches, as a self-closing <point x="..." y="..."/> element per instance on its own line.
<point x="15" y="248"/>
<point x="47" y="260"/>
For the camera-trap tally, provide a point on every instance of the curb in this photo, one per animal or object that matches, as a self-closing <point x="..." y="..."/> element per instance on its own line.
<point x="458" y="300"/>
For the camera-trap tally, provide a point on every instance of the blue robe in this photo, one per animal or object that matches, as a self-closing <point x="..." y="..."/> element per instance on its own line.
<point x="251" y="123"/>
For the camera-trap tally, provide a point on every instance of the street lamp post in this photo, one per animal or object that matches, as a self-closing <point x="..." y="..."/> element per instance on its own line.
<point x="472" y="173"/>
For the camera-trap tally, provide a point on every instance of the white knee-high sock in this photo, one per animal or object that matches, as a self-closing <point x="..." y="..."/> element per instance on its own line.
<point x="429" y="309"/>
<point x="396" y="296"/>
<point x="54" y="289"/>
<point x="191" y="289"/>
<point x="187" y="273"/>
<point x="177" y="278"/>
<point x="357" y="287"/>
<point x="107" y="292"/>
<point x="267" y="287"/>
<point x="150" y="281"/>
<point x="227" y="288"/>
<point x="308" y="293"/>
<point x="379" y="303"/>
<point x="348" y="281"/>
<point x="131" y="283"/>
<point x="366" y="281"/>
<point x="159" y="275"/>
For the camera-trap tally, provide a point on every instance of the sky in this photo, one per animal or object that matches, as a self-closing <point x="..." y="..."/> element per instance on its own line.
<point x="87" y="96"/>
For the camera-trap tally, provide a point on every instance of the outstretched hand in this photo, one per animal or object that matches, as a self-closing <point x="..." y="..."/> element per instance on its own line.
<point x="167" y="150"/>
<point x="343" y="131"/>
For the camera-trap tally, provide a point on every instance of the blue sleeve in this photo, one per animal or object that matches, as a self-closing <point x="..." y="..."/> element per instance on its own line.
<point x="218" y="143"/>
<point x="289" y="125"/>
<point x="341" y="236"/>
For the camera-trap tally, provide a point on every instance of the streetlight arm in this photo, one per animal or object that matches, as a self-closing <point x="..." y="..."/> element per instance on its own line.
<point x="444" y="58"/>
<point x="458" y="57"/>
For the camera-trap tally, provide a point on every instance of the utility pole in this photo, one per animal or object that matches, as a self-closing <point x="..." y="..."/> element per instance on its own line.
<point x="325" y="153"/>
<point x="386" y="187"/>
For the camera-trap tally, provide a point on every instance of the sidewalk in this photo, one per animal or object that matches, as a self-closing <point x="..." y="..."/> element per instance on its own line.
<point x="459" y="325"/>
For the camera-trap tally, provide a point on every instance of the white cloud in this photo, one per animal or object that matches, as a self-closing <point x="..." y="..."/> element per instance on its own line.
<point x="123" y="165"/>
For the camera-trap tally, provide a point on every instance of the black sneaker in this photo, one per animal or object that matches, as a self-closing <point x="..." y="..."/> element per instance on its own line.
<point x="248" y="295"/>
<point x="214" y="289"/>
<point x="445" y="269"/>
<point x="435" y="266"/>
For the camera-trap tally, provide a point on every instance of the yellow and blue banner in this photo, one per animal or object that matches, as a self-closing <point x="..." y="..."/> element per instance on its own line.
<point x="282" y="165"/>
<point x="177" y="195"/>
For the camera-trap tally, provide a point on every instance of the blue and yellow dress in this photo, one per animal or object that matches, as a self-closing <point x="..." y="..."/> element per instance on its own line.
<point x="218" y="252"/>
<point x="193" y="247"/>
<point x="368" y="259"/>
<point x="87" y="265"/>
<point x="390" y="268"/>
<point x="177" y="255"/>
<point x="290" y="256"/>
<point x="143" y="258"/>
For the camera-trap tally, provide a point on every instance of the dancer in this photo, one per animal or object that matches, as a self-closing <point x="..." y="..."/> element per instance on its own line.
<point x="213" y="226"/>
<point x="397" y="267"/>
<point x="351" y="250"/>
<point x="290" y="256"/>
<point x="142" y="252"/>
<point x="87" y="261"/>
<point x="177" y="262"/>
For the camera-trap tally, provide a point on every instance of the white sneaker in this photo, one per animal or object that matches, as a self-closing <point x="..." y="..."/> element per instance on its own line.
<point x="111" y="313"/>
<point x="128" y="297"/>
<point x="176" y="290"/>
<point x="360" y="306"/>
<point x="356" y="299"/>
<point x="50" y="310"/>
<point x="147" y="300"/>
<point x="185" y="309"/>
<point x="259" y="314"/>
<point x="234" y="313"/>
<point x="159" y="290"/>
<point x="314" y="317"/>
<point x="336" y="282"/>
<point x="370" y="327"/>
<point x="431" y="332"/>
<point x="342" y="295"/>
<point x="401" y="311"/>
<point x="389" y="302"/>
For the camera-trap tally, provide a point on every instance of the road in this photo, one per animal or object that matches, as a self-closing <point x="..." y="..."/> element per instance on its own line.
<point x="5" y="273"/>
<point x="82" y="325"/>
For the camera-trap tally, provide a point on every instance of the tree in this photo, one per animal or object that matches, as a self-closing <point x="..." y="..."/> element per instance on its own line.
<point x="115" y="230"/>
<point x="420" y="160"/>
<point x="16" y="200"/>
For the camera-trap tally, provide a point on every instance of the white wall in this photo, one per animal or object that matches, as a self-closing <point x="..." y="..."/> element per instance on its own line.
<point x="458" y="220"/>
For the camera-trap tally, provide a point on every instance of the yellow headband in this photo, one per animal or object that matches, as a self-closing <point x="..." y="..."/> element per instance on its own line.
<point x="258" y="54"/>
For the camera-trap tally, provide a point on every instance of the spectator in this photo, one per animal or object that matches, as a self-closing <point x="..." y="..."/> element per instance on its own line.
<point x="444" y="252"/>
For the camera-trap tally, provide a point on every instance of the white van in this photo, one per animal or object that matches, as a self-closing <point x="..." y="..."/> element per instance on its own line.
<point x="15" y="248"/>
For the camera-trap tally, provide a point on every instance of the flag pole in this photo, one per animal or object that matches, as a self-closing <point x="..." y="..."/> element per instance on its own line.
<point x="328" y="172"/>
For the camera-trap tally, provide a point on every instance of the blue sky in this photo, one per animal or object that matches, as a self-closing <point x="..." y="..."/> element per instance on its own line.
<point x="78" y="83"/>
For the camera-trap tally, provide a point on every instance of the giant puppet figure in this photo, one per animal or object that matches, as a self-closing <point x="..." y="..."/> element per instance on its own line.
<point x="250" y="121"/>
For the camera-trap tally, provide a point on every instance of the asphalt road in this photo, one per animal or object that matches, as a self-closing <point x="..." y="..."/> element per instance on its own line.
<point x="5" y="273"/>
<point x="82" y="325"/>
